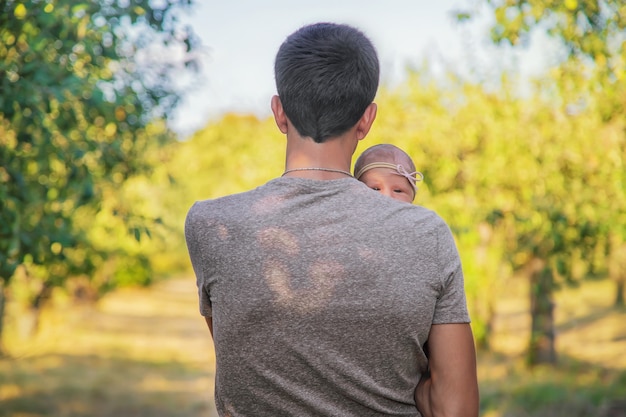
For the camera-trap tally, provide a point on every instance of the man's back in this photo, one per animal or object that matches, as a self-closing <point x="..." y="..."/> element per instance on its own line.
<point x="322" y="294"/>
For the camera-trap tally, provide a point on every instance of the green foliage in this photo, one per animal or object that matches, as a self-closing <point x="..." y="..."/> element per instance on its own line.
<point x="589" y="28"/>
<point x="79" y="92"/>
<point x="234" y="154"/>
<point x="577" y="120"/>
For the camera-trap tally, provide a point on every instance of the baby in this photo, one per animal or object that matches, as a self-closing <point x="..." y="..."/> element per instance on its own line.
<point x="389" y="170"/>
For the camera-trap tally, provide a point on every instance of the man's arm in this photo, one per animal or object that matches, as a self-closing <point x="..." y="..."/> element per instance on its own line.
<point x="452" y="388"/>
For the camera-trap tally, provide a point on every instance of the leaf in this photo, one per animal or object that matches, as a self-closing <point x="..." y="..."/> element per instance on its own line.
<point x="20" y="11"/>
<point x="137" y="233"/>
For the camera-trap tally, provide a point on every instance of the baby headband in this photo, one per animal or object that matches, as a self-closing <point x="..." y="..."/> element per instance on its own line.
<point x="413" y="177"/>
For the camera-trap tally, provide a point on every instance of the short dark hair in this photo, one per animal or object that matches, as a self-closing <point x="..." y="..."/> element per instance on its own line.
<point x="326" y="76"/>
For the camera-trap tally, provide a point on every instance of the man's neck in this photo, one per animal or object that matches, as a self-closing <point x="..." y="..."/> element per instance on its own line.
<point x="331" y="159"/>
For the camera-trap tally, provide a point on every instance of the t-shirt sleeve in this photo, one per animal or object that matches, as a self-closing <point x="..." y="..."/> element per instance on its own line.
<point x="194" y="247"/>
<point x="451" y="304"/>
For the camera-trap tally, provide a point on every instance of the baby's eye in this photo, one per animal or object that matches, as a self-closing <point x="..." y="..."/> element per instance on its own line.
<point x="399" y="191"/>
<point x="375" y="188"/>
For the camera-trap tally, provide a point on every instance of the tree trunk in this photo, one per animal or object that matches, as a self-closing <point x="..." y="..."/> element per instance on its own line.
<point x="617" y="267"/>
<point x="542" y="336"/>
<point x="37" y="305"/>
<point x="2" y="304"/>
<point x="619" y="293"/>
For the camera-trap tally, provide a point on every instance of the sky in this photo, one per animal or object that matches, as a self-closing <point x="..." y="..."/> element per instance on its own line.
<point x="240" y="39"/>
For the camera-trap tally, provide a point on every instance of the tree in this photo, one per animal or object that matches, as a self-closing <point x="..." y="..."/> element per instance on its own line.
<point x="80" y="83"/>
<point x="587" y="84"/>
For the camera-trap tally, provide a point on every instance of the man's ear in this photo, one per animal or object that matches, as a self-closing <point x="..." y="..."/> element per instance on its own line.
<point x="279" y="114"/>
<point x="365" y="122"/>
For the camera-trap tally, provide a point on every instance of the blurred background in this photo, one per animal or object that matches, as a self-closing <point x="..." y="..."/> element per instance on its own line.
<point x="116" y="115"/>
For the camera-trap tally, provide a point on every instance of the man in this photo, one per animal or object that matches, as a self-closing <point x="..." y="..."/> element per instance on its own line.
<point x="321" y="293"/>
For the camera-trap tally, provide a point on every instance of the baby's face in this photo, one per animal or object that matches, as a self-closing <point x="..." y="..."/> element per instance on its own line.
<point x="387" y="183"/>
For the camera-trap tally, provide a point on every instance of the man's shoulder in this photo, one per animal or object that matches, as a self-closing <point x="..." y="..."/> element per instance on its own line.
<point x="414" y="211"/>
<point x="228" y="204"/>
<point x="423" y="220"/>
<point x="213" y="203"/>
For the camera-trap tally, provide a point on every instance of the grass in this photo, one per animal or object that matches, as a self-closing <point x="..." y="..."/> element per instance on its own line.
<point x="137" y="353"/>
<point x="147" y="352"/>
<point x="590" y="377"/>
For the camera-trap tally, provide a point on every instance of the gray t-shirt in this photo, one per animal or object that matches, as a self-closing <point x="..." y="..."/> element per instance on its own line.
<point x="322" y="295"/>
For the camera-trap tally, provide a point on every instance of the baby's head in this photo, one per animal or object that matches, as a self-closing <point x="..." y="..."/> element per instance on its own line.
<point x="388" y="170"/>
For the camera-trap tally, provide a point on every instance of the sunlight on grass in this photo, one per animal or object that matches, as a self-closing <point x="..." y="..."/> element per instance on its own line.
<point x="8" y="391"/>
<point x="588" y="327"/>
<point x="591" y="337"/>
<point x="138" y="352"/>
